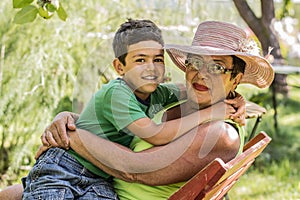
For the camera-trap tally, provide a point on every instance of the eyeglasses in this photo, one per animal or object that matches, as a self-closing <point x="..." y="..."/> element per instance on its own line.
<point x="212" y="68"/>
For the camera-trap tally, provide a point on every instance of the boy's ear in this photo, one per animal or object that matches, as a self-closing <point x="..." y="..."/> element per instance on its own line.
<point x="118" y="66"/>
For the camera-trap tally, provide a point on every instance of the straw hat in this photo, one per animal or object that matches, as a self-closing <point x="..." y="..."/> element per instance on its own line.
<point x="221" y="38"/>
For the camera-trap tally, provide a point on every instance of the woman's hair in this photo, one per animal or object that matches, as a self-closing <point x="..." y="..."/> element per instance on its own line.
<point x="132" y="32"/>
<point x="238" y="66"/>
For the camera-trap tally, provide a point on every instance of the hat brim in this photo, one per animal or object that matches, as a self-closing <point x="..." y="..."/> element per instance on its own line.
<point x="258" y="70"/>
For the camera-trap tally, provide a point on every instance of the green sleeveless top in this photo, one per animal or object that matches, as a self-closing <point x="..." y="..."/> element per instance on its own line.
<point x="137" y="191"/>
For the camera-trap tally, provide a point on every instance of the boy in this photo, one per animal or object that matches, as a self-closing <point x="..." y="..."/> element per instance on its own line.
<point x="118" y="111"/>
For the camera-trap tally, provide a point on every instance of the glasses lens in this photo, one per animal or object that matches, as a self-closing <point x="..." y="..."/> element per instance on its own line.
<point x="215" y="69"/>
<point x="195" y="63"/>
<point x="212" y="68"/>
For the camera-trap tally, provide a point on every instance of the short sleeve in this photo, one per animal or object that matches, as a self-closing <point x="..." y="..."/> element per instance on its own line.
<point x="120" y="107"/>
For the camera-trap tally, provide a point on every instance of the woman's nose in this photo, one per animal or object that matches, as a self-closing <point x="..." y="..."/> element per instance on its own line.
<point x="202" y="73"/>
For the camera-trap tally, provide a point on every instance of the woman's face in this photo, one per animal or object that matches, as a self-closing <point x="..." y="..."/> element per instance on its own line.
<point x="208" y="79"/>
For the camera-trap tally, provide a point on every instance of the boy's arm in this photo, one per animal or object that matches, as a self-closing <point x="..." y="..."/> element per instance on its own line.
<point x="168" y="131"/>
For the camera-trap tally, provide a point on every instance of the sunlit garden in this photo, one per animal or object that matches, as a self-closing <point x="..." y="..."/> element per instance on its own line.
<point x="52" y="65"/>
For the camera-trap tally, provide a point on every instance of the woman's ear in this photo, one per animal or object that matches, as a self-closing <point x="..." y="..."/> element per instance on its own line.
<point x="237" y="80"/>
<point x="118" y="66"/>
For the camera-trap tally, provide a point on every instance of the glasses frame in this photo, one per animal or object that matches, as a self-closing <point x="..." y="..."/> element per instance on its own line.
<point x="211" y="67"/>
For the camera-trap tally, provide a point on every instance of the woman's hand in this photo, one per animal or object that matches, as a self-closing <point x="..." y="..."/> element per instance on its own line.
<point x="41" y="150"/>
<point x="55" y="135"/>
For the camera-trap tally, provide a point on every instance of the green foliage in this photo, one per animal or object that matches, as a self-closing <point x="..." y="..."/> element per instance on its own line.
<point x="285" y="10"/>
<point x="47" y="65"/>
<point x="21" y="3"/>
<point x="62" y="14"/>
<point x="45" y="9"/>
<point x="65" y="104"/>
<point x="26" y="14"/>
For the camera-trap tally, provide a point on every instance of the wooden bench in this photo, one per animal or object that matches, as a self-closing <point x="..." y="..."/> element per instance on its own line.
<point x="214" y="181"/>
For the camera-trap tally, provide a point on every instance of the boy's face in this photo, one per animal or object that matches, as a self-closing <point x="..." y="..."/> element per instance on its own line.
<point x="144" y="68"/>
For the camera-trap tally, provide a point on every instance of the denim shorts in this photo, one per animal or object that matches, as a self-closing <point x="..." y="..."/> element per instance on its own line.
<point x="58" y="175"/>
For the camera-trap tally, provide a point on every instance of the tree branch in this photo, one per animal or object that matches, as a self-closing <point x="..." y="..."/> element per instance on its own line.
<point x="246" y="12"/>
<point x="268" y="12"/>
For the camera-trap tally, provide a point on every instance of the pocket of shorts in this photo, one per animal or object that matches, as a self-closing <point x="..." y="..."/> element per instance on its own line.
<point x="103" y="190"/>
<point x="49" y="193"/>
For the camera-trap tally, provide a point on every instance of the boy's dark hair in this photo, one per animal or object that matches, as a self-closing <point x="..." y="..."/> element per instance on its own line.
<point x="132" y="32"/>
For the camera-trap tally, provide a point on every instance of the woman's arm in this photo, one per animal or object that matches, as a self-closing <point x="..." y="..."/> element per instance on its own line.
<point x="164" y="164"/>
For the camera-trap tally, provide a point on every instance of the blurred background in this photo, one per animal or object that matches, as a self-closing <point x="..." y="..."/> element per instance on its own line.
<point x="47" y="66"/>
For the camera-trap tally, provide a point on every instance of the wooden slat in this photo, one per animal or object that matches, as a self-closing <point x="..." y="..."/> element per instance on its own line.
<point x="214" y="181"/>
<point x="206" y="178"/>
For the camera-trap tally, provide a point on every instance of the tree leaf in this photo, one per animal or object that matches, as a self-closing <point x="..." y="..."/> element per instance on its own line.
<point x="50" y="7"/>
<point x="26" y="14"/>
<point x="44" y="13"/>
<point x="61" y="13"/>
<point x="21" y="3"/>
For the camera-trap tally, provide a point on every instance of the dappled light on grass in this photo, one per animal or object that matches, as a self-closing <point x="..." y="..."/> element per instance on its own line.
<point x="263" y="185"/>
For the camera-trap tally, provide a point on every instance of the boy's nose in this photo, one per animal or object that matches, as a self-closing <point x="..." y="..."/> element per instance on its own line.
<point x="150" y="66"/>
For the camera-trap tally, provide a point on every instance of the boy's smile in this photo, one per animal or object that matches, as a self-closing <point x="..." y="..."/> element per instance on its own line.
<point x="144" y="67"/>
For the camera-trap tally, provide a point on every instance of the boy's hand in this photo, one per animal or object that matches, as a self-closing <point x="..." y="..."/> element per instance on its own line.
<point x="55" y="134"/>
<point x="239" y="104"/>
<point x="221" y="111"/>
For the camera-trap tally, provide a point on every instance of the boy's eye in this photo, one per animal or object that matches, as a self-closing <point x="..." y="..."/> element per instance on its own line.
<point x="158" y="60"/>
<point x="140" y="60"/>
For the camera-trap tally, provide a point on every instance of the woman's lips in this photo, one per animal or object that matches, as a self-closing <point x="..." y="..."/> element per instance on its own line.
<point x="200" y="87"/>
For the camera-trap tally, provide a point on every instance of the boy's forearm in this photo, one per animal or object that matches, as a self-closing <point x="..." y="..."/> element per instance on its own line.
<point x="169" y="131"/>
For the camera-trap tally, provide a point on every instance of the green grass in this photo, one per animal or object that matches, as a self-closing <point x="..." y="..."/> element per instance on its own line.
<point x="264" y="187"/>
<point x="275" y="174"/>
